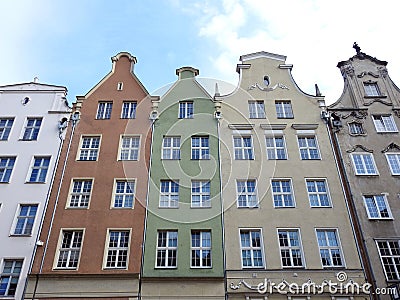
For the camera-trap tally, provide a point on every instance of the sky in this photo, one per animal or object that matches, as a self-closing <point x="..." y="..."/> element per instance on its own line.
<point x="70" y="43"/>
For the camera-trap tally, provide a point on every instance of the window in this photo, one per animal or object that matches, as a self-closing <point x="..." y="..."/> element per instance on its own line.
<point x="169" y="194"/>
<point x="117" y="250"/>
<point x="356" y="128"/>
<point x="185" y="110"/>
<point x="389" y="252"/>
<point x="308" y="147"/>
<point x="318" y="193"/>
<point x="364" y="164"/>
<point x="6" y="167"/>
<point x="129" y="110"/>
<point x="377" y="207"/>
<point x="201" y="194"/>
<point x="70" y="249"/>
<point x="200" y="147"/>
<point x="120" y="86"/>
<point x="275" y="147"/>
<point x="5" y="128"/>
<point x="283" y="109"/>
<point x="246" y="193"/>
<point x="329" y="248"/>
<point x="104" y="110"/>
<point x="129" y="148"/>
<point x="371" y="89"/>
<point x="201" y="249"/>
<point x="25" y="219"/>
<point x="243" y="147"/>
<point x="32" y="129"/>
<point x="167" y="248"/>
<point x="290" y="247"/>
<point x="80" y="194"/>
<point x="10" y="277"/>
<point x="384" y="123"/>
<point x="282" y="193"/>
<point x="393" y="160"/>
<point x="171" y="148"/>
<point x="124" y="194"/>
<point x="251" y="248"/>
<point x="257" y="109"/>
<point x="89" y="148"/>
<point x="39" y="169"/>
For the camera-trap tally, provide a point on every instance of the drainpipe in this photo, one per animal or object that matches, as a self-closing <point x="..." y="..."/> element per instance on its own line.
<point x="74" y="118"/>
<point x="354" y="219"/>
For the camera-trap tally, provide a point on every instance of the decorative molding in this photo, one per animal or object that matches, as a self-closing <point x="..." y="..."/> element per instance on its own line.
<point x="362" y="74"/>
<point x="241" y="126"/>
<point x="365" y="149"/>
<point x="392" y="146"/>
<point x="348" y="69"/>
<point x="273" y="126"/>
<point x="383" y="71"/>
<point x="359" y="114"/>
<point x="388" y="103"/>
<point x="304" y="126"/>
<point x="396" y="111"/>
<point x="267" y="89"/>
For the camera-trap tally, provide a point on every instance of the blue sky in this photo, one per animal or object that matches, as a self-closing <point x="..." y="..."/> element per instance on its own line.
<point x="70" y="43"/>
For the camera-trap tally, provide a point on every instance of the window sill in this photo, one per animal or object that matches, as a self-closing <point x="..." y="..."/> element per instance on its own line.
<point x="381" y="219"/>
<point x="200" y="207"/>
<point x="377" y="96"/>
<point x="4" y="182"/>
<point x="20" y="235"/>
<point x="167" y="207"/>
<point x="330" y="206"/>
<point x="35" y="182"/>
<point x="165" y="268"/>
<point x="119" y="208"/>
<point x="30" y="140"/>
<point x="200" y="268"/>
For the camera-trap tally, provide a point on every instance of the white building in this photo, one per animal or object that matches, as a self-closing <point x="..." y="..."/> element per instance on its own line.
<point x="32" y="121"/>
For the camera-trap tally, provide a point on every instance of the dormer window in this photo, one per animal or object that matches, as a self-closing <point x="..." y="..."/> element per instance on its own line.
<point x="371" y="89"/>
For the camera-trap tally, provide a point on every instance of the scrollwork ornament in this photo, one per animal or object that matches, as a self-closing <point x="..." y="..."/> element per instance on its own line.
<point x="348" y="69"/>
<point x="383" y="71"/>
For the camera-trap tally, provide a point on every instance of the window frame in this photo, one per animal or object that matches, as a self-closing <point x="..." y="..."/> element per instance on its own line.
<point x="6" y="129"/>
<point x="184" y="110"/>
<point x="130" y="149"/>
<point x="308" y="148"/>
<point x="282" y="111"/>
<point x="11" y="275"/>
<point x="371" y="92"/>
<point x="80" y="194"/>
<point x="330" y="205"/>
<point x="118" y="248"/>
<point x="173" y="149"/>
<point x="246" y="193"/>
<point x="339" y="247"/>
<point x="169" y="194"/>
<point x="362" y="155"/>
<point x="384" y="124"/>
<point x="131" y="114"/>
<point x="275" y="148"/>
<point x="200" y="148"/>
<point x="390" y="256"/>
<point x="280" y="180"/>
<point x="114" y="193"/>
<point x="202" y="203"/>
<point x="107" y="111"/>
<point x="26" y="219"/>
<point x="6" y="167"/>
<point x="291" y="247"/>
<point x="200" y="248"/>
<point x="242" y="148"/>
<point x="91" y="136"/>
<point x="251" y="248"/>
<point x="256" y="109"/>
<point x="351" y="125"/>
<point x="32" y="167"/>
<point x="397" y="161"/>
<point x="59" y="249"/>
<point x="376" y="207"/>
<point x="166" y="248"/>
<point x="32" y="135"/>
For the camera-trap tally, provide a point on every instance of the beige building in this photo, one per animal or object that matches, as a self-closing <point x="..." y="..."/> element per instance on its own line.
<point x="285" y="216"/>
<point x="365" y="124"/>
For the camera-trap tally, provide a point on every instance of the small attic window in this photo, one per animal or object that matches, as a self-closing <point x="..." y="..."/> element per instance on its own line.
<point x="266" y="80"/>
<point x="120" y="86"/>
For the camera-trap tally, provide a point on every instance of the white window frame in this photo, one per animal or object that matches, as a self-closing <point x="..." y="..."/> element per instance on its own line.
<point x="384" y="123"/>
<point x="240" y="152"/>
<point x="389" y="258"/>
<point x="202" y="248"/>
<point x="371" y="89"/>
<point x="130" y="109"/>
<point x="281" y="193"/>
<point x="363" y="163"/>
<point x="167" y="248"/>
<point x="330" y="247"/>
<point x="308" y="148"/>
<point x="290" y="247"/>
<point x="172" y="203"/>
<point x="41" y="169"/>
<point x="132" y="151"/>
<point x="256" y="109"/>
<point x="125" y="194"/>
<point x="105" y="114"/>
<point x="119" y="249"/>
<point x="11" y="275"/>
<point x="394" y="163"/>
<point x="203" y="195"/>
<point x="7" y="167"/>
<point x="80" y="194"/>
<point x="200" y="148"/>
<point x="28" y="219"/>
<point x="274" y="149"/>
<point x="246" y="193"/>
<point x="5" y="131"/>
<point x="251" y="248"/>
<point x="357" y="130"/>
<point x="184" y="110"/>
<point x="120" y="86"/>
<point x="173" y="150"/>
<point x="318" y="193"/>
<point x="283" y="111"/>
<point x="69" y="249"/>
<point x="90" y="149"/>
<point x="371" y="203"/>
<point x="32" y="129"/>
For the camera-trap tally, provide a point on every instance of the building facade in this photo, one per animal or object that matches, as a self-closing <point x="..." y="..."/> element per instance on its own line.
<point x="32" y="121"/>
<point x="183" y="251"/>
<point x="93" y="230"/>
<point x="365" y="122"/>
<point x="285" y="215"/>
